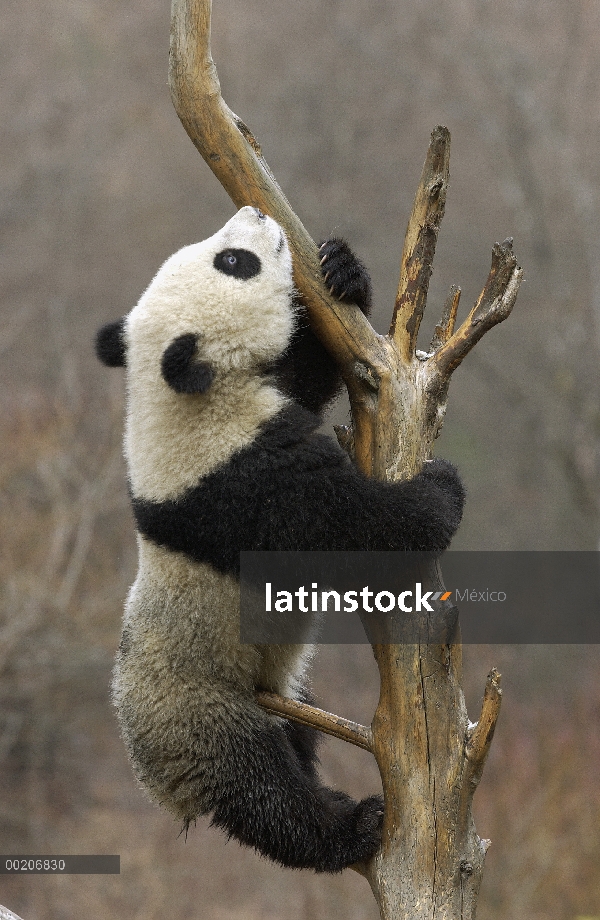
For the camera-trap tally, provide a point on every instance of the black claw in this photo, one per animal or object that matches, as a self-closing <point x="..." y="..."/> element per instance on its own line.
<point x="345" y="275"/>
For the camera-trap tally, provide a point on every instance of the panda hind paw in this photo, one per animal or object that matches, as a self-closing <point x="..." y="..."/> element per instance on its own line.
<point x="344" y="274"/>
<point x="369" y="820"/>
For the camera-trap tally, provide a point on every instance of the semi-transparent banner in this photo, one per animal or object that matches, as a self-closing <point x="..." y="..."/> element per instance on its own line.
<point x="494" y="597"/>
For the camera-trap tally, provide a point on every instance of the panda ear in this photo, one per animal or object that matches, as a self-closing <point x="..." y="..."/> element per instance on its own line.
<point x="179" y="370"/>
<point x="110" y="343"/>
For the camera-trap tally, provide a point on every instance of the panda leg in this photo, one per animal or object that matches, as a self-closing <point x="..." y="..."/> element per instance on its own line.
<point x="270" y="798"/>
<point x="304" y="741"/>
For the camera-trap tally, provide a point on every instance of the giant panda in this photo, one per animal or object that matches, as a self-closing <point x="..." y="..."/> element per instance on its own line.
<point x="225" y="386"/>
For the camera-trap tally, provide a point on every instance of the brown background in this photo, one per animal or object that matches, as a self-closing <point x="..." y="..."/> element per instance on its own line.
<point x="99" y="184"/>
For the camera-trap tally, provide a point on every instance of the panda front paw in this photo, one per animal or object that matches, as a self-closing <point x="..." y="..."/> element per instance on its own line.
<point x="344" y="274"/>
<point x="444" y="478"/>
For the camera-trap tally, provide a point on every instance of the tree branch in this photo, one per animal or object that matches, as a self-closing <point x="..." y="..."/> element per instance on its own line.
<point x="326" y="722"/>
<point x="493" y="305"/>
<point x="234" y="155"/>
<point x="419" y="244"/>
<point x="445" y="327"/>
<point x="481" y="734"/>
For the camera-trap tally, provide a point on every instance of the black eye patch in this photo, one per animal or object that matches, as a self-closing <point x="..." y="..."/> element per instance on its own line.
<point x="239" y="263"/>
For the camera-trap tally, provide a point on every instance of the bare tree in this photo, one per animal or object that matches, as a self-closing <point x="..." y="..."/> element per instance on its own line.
<point x="430" y="758"/>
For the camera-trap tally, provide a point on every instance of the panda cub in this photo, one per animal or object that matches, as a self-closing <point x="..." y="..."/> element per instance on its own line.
<point x="225" y="384"/>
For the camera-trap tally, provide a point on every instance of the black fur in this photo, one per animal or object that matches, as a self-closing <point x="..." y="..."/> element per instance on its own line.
<point x="179" y="370"/>
<point x="110" y="344"/>
<point x="306" y="372"/>
<point x="240" y="263"/>
<point x="293" y="489"/>
<point x="271" y="803"/>
<point x="304" y="739"/>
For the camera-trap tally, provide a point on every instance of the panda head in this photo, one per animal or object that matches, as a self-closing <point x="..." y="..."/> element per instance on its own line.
<point x="214" y="308"/>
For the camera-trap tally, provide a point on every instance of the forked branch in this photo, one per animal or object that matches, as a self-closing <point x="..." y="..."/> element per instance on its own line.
<point x="379" y="371"/>
<point x="493" y="305"/>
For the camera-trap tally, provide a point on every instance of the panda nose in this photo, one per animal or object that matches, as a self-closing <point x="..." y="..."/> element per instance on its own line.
<point x="260" y="214"/>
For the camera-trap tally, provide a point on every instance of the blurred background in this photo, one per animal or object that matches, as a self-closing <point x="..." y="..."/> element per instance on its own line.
<point x="99" y="184"/>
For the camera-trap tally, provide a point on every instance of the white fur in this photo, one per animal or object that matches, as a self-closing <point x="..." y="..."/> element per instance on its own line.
<point x="172" y="440"/>
<point x="184" y="616"/>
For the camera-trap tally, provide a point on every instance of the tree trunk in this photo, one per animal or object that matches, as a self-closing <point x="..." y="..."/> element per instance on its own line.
<point x="430" y="758"/>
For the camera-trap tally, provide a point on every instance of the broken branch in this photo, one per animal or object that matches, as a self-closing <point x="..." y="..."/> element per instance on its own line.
<point x="480" y="736"/>
<point x="419" y="244"/>
<point x="445" y="327"/>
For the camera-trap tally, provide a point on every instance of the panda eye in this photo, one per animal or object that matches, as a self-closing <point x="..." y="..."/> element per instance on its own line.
<point x="239" y="263"/>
